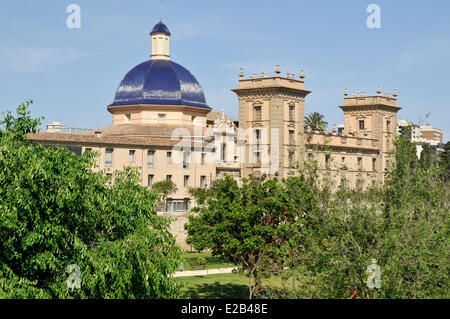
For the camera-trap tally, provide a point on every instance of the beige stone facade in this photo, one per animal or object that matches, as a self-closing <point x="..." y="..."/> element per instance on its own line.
<point x="358" y="155"/>
<point x="271" y="114"/>
<point x="269" y="137"/>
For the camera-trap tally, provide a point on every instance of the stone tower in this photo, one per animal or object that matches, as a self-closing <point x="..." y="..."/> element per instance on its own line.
<point x="373" y="117"/>
<point x="271" y="119"/>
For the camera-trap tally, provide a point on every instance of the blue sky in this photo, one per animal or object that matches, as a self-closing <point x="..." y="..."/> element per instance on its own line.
<point x="72" y="74"/>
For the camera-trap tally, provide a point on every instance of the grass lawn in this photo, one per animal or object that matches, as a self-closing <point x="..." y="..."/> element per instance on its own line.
<point x="190" y="261"/>
<point x="224" y="286"/>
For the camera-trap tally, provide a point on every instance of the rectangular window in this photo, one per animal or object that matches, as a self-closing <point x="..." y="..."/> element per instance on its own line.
<point x="108" y="158"/>
<point x="169" y="158"/>
<point x="173" y="205"/>
<point x="388" y="126"/>
<point x="327" y="160"/>
<point x="186" y="158"/>
<point x="169" y="205"/>
<point x="374" y="164"/>
<point x="202" y="181"/>
<point x="343" y="160"/>
<point x="224" y="153"/>
<point x="361" y="125"/>
<point x="168" y="177"/>
<point x="360" y="162"/>
<point x="258" y="136"/>
<point x="150" y="159"/>
<point x="310" y="155"/>
<point x="87" y="150"/>
<point x="160" y="45"/>
<point x="257" y="113"/>
<point x="127" y="118"/>
<point x="186" y="180"/>
<point x="131" y="156"/>
<point x="291" y="159"/>
<point x="149" y="180"/>
<point x="291" y="113"/>
<point x="257" y="157"/>
<point x="291" y="137"/>
<point x="161" y="118"/>
<point x="203" y="158"/>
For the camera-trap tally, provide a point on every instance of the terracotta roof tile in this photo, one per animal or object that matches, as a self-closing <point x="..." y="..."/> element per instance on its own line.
<point x="156" y="130"/>
<point x="81" y="139"/>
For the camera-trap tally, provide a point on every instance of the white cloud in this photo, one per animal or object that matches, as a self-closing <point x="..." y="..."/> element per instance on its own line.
<point x="34" y="59"/>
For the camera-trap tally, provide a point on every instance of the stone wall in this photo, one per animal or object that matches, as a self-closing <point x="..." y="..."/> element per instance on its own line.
<point x="177" y="228"/>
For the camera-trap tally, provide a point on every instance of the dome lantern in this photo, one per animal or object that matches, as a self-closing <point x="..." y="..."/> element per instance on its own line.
<point x="160" y="36"/>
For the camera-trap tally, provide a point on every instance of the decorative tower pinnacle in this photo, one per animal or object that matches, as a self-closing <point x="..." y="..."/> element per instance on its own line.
<point x="278" y="71"/>
<point x="241" y="73"/>
<point x="302" y="75"/>
<point x="379" y="90"/>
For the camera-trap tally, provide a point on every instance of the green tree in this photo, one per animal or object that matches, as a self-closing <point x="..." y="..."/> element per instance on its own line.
<point x="425" y="156"/>
<point x="315" y="121"/>
<point x="163" y="189"/>
<point x="22" y="123"/>
<point x="56" y="211"/>
<point x="250" y="225"/>
<point x="444" y="162"/>
<point x="404" y="227"/>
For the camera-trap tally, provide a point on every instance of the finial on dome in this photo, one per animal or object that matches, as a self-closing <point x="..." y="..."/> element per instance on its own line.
<point x="241" y="73"/>
<point x="278" y="71"/>
<point x="346" y="92"/>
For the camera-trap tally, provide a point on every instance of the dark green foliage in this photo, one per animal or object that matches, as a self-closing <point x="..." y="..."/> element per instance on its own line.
<point x="329" y="239"/>
<point x="251" y="225"/>
<point x="444" y="162"/>
<point x="55" y="211"/>
<point x="425" y="156"/>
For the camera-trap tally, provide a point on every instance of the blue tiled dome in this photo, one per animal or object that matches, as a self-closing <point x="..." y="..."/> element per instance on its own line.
<point x="159" y="82"/>
<point x="160" y="28"/>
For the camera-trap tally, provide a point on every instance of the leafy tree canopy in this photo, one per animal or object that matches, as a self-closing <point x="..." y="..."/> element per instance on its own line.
<point x="56" y="211"/>
<point x="315" y="121"/>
